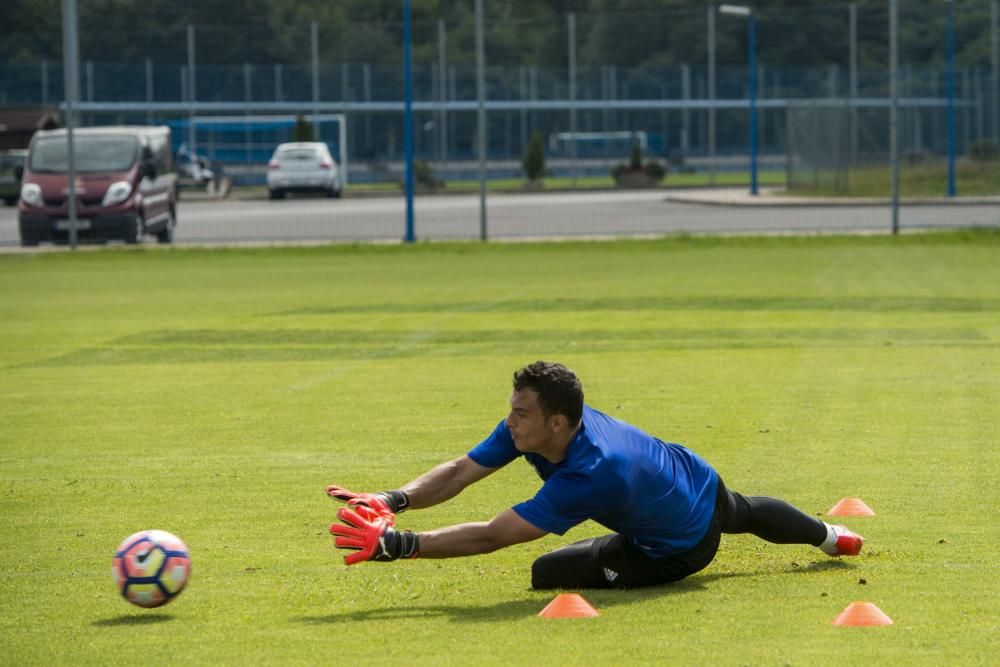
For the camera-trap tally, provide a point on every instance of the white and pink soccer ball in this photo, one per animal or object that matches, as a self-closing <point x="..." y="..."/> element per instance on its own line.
<point x="151" y="567"/>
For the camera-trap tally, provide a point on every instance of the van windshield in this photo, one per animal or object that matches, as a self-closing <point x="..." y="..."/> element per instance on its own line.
<point x="107" y="152"/>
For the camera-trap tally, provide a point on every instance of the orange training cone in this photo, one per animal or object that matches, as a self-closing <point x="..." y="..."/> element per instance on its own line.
<point x="568" y="605"/>
<point x="862" y="614"/>
<point x="851" y="507"/>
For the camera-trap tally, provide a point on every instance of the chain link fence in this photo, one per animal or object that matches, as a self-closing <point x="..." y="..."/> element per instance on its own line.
<point x="822" y="117"/>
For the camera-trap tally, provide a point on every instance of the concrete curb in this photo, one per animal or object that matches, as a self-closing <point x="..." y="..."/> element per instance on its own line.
<point x="774" y="197"/>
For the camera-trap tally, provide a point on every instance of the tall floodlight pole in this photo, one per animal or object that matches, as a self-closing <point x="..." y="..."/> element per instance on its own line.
<point x="408" y="120"/>
<point x="894" y="109"/>
<point x="743" y="10"/>
<point x="71" y="67"/>
<point x="481" y="115"/>
<point x="951" y="97"/>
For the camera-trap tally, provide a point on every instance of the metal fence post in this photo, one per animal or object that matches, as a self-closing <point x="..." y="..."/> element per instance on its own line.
<point x="852" y="65"/>
<point x="571" y="29"/>
<point x="410" y="234"/>
<point x="481" y="116"/>
<point x="995" y="69"/>
<point x="314" y="40"/>
<point x="192" y="91"/>
<point x="711" y="92"/>
<point x="71" y="73"/>
<point x="45" y="82"/>
<point x="442" y="91"/>
<point x="894" y="110"/>
<point x="149" y="91"/>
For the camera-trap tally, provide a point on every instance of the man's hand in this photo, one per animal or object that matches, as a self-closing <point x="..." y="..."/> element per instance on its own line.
<point x="386" y="503"/>
<point x="367" y="532"/>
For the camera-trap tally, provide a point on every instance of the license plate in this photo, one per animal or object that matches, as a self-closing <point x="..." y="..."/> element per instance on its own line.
<point x="64" y="225"/>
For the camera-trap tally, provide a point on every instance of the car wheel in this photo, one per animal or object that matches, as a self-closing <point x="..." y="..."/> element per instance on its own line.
<point x="276" y="194"/>
<point x="166" y="235"/>
<point x="137" y="231"/>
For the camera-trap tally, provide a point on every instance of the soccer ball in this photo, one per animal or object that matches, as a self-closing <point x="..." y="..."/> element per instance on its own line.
<point x="151" y="567"/>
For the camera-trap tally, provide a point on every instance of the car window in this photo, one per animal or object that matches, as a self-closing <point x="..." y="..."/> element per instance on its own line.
<point x="299" y="154"/>
<point x="10" y="160"/>
<point x="91" y="153"/>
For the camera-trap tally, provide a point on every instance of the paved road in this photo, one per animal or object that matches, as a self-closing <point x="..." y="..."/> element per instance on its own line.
<point x="533" y="215"/>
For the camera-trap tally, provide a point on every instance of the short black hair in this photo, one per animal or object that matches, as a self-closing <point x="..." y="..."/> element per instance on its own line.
<point x="559" y="389"/>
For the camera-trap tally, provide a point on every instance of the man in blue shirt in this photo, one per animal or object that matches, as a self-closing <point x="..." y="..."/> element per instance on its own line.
<point x="666" y="505"/>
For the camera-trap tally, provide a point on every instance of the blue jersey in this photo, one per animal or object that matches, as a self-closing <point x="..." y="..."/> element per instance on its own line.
<point x="660" y="495"/>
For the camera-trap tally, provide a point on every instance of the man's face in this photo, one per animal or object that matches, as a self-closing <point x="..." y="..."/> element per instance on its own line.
<point x="531" y="430"/>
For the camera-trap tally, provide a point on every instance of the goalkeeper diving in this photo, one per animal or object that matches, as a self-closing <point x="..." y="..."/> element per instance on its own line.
<point x="666" y="506"/>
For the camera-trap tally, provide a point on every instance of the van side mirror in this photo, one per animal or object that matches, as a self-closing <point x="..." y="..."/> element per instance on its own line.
<point x="148" y="169"/>
<point x="18" y="172"/>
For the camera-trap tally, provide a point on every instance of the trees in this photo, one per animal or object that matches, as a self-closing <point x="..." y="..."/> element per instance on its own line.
<point x="625" y="33"/>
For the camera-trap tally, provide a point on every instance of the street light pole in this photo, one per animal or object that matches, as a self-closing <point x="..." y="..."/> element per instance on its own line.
<point x="743" y="10"/>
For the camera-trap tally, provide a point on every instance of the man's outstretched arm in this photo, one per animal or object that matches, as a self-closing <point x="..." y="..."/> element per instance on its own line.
<point x="434" y="486"/>
<point x="444" y="482"/>
<point x="371" y="536"/>
<point x="468" y="539"/>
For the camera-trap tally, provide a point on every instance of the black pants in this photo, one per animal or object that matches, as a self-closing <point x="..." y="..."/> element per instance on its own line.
<point x="613" y="561"/>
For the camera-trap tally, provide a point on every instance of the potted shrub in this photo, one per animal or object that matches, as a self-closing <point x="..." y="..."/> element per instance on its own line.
<point x="637" y="173"/>
<point x="424" y="180"/>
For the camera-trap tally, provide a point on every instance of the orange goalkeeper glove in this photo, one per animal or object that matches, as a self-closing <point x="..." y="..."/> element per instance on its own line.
<point x="371" y="536"/>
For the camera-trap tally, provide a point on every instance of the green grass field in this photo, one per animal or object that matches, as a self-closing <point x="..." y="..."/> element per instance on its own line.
<point x="673" y="180"/>
<point x="214" y="394"/>
<point x="972" y="179"/>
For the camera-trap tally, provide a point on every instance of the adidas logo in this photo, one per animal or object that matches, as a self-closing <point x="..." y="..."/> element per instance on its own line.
<point x="610" y="574"/>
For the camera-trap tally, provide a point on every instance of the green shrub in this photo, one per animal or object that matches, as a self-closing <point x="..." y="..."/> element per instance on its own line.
<point x="424" y="175"/>
<point x="655" y="170"/>
<point x="533" y="163"/>
<point x="651" y="168"/>
<point x="303" y="130"/>
<point x="984" y="150"/>
<point x="635" y="159"/>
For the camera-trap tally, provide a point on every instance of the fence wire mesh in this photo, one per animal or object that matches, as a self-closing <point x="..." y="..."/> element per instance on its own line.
<point x="231" y="87"/>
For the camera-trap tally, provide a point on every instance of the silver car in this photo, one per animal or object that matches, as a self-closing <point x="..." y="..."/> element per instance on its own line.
<point x="303" y="166"/>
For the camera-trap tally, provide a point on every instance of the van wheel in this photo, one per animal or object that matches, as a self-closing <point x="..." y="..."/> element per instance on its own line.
<point x="137" y="231"/>
<point x="166" y="235"/>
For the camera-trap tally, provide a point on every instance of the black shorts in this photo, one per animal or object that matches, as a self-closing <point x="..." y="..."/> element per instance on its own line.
<point x="613" y="561"/>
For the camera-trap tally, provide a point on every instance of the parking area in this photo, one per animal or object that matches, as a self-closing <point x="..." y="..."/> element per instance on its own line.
<point x="537" y="215"/>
